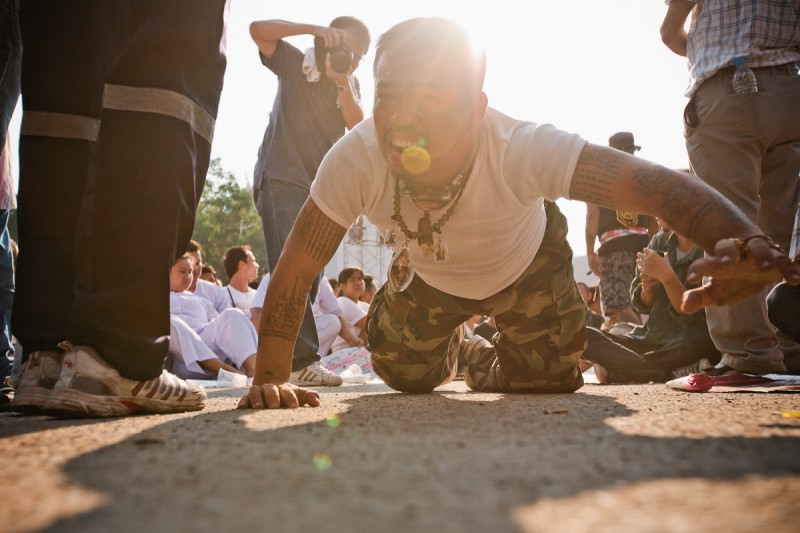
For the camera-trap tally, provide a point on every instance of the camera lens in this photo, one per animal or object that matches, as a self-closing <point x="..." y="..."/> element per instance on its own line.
<point x="341" y="59"/>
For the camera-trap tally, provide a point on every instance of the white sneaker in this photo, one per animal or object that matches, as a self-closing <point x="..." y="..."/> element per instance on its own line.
<point x="88" y="387"/>
<point x="315" y="375"/>
<point x="38" y="378"/>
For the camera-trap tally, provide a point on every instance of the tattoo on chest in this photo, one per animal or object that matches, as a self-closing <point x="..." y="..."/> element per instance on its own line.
<point x="283" y="319"/>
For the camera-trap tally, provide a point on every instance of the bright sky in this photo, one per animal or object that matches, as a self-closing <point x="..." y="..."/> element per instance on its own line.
<point x="590" y="67"/>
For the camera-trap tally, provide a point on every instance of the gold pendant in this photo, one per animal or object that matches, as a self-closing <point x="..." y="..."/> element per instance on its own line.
<point x="401" y="270"/>
<point x="425" y="235"/>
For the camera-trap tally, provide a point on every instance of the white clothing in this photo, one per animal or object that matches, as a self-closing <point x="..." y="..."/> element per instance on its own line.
<point x="241" y="300"/>
<point x="261" y="292"/>
<point x="328" y="327"/>
<point x="326" y="302"/>
<point x="310" y="66"/>
<point x="192" y="309"/>
<point x="499" y="223"/>
<point x="352" y="313"/>
<point x="326" y="316"/>
<point x="229" y="335"/>
<point x="212" y="292"/>
<point x="188" y="349"/>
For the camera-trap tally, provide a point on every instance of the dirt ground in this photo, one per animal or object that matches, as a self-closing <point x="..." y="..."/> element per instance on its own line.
<point x="607" y="458"/>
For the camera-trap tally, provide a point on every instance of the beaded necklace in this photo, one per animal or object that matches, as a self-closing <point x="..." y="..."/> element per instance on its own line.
<point x="425" y="227"/>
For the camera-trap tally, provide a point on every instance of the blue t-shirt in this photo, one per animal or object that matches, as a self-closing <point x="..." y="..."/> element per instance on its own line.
<point x="305" y="121"/>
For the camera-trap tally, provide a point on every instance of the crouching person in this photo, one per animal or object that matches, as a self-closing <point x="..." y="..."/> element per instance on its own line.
<point x="465" y="195"/>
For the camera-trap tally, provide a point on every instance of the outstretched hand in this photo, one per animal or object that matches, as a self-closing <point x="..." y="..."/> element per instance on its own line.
<point x="738" y="270"/>
<point x="278" y="395"/>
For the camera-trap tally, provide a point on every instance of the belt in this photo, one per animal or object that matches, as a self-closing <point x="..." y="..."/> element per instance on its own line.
<point x="614" y="233"/>
<point x="789" y="69"/>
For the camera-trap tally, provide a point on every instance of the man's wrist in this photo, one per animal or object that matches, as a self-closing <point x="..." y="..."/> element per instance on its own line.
<point x="343" y="87"/>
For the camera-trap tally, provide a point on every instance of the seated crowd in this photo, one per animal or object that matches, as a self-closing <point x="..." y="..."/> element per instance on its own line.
<point x="215" y="327"/>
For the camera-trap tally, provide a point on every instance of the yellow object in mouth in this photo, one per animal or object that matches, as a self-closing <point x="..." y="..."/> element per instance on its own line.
<point x="415" y="160"/>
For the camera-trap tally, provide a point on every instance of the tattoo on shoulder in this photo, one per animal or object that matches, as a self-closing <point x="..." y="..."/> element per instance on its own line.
<point x="282" y="320"/>
<point x="319" y="235"/>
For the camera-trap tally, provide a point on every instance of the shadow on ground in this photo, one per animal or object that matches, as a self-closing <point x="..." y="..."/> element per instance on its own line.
<point x="391" y="462"/>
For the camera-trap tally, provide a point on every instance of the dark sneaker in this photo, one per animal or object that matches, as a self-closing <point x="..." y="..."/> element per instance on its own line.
<point x="88" y="387"/>
<point x="720" y="375"/>
<point x="39" y="376"/>
<point x="607" y="377"/>
<point x="315" y="375"/>
<point x="694" y="368"/>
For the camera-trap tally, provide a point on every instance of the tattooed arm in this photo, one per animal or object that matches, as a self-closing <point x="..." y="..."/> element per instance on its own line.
<point x="614" y="179"/>
<point x="311" y="244"/>
<point x="739" y="267"/>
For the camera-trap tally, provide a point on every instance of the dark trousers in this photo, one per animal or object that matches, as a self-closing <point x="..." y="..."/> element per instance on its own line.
<point x="783" y="308"/>
<point x="119" y="102"/>
<point x="10" y="64"/>
<point x="641" y="361"/>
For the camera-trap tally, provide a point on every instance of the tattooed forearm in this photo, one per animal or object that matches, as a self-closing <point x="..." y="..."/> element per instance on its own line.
<point x="318" y="235"/>
<point x="282" y="318"/>
<point x="690" y="206"/>
<point x="619" y="181"/>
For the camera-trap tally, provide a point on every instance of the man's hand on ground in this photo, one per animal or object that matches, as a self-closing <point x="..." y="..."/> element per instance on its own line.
<point x="278" y="395"/>
<point x="737" y="271"/>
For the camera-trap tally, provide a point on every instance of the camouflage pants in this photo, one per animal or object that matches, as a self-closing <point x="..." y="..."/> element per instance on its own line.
<point x="415" y="334"/>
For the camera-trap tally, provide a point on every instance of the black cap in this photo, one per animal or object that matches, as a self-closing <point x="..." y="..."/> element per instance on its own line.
<point x="623" y="140"/>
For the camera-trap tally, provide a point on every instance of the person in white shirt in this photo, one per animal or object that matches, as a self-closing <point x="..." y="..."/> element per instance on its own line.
<point x="242" y="269"/>
<point x="229" y="335"/>
<point x="351" y="283"/>
<point x="212" y="292"/>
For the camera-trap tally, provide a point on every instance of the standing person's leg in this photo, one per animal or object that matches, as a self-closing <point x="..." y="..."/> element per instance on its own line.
<point x="780" y="178"/>
<point x="57" y="143"/>
<point x="159" y="102"/>
<point x="56" y="148"/>
<point x="619" y="269"/>
<point x="10" y="65"/>
<point x="6" y="298"/>
<point x="278" y="204"/>
<point x="727" y="140"/>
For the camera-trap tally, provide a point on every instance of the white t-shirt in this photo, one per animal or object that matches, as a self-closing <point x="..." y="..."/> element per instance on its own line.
<point x="326" y="302"/>
<point x="352" y="313"/>
<point x="241" y="300"/>
<point x="195" y="310"/>
<point x="499" y="223"/>
<point x="261" y="292"/>
<point x="212" y="292"/>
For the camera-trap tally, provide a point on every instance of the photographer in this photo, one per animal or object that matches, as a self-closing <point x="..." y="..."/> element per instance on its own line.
<point x="318" y="97"/>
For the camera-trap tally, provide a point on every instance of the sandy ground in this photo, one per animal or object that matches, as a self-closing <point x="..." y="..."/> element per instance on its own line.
<point x="608" y="458"/>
